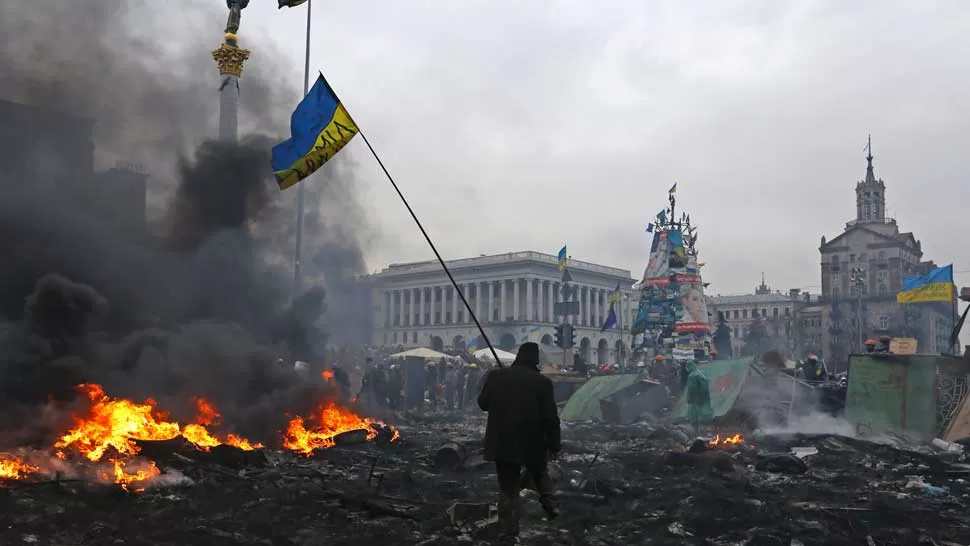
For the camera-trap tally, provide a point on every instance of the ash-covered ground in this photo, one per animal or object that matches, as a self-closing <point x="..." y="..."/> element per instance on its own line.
<point x="619" y="485"/>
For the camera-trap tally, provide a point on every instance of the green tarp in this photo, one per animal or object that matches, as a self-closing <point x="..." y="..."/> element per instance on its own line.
<point x="893" y="393"/>
<point x="584" y="404"/>
<point x="726" y="380"/>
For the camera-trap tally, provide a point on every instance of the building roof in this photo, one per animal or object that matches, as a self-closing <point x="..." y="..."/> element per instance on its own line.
<point x="432" y="266"/>
<point x="743" y="299"/>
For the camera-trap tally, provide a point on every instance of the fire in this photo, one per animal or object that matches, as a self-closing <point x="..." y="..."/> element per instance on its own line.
<point x="330" y="421"/>
<point x="14" y="468"/>
<point x="115" y="424"/>
<point x="203" y="439"/>
<point x="207" y="414"/>
<point x="146" y="472"/>
<point x="119" y="423"/>
<point x="726" y="441"/>
<point x="327" y="375"/>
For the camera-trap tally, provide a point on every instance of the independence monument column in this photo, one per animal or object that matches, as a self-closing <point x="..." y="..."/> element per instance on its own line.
<point x="230" y="58"/>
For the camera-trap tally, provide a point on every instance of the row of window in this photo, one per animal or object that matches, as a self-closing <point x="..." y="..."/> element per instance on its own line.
<point x="743" y="313"/>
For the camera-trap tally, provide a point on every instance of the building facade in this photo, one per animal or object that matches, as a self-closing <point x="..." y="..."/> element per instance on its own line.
<point x="512" y="295"/>
<point x="862" y="270"/>
<point x="791" y="319"/>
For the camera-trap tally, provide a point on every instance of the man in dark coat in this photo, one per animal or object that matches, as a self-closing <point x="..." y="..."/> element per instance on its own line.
<point x="522" y="431"/>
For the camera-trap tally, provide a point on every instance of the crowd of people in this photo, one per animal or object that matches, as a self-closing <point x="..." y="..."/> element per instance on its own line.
<point x="449" y="384"/>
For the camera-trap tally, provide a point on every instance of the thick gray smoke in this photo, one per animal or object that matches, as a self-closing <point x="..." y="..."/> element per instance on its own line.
<point x="199" y="304"/>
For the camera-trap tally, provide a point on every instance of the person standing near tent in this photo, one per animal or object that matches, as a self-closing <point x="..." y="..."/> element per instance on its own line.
<point x="698" y="393"/>
<point x="472" y="379"/>
<point x="522" y="431"/>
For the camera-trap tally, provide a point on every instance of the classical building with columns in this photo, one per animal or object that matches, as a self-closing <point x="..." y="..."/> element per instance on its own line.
<point x="511" y="294"/>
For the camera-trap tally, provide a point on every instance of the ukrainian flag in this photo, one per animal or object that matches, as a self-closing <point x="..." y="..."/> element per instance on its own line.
<point x="473" y="345"/>
<point x="937" y="285"/>
<point x="562" y="258"/>
<point x="320" y="127"/>
<point x="615" y="294"/>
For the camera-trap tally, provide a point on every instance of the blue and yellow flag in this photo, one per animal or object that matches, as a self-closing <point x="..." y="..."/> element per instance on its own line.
<point x="473" y="345"/>
<point x="937" y="285"/>
<point x="615" y="294"/>
<point x="291" y="3"/>
<point x="320" y="127"/>
<point x="610" y="319"/>
<point x="562" y="258"/>
<point x="673" y="189"/>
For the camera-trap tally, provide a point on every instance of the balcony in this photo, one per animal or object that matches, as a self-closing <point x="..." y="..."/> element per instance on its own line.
<point x="883" y="221"/>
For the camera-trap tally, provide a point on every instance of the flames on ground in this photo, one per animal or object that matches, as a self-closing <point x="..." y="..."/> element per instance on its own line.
<point x="725" y="441"/>
<point x="104" y="437"/>
<point x="327" y="423"/>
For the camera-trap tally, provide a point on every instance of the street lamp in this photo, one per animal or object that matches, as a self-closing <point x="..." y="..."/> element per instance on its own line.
<point x="858" y="278"/>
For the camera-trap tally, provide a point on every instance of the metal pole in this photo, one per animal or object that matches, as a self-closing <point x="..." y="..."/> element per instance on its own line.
<point x="298" y="256"/>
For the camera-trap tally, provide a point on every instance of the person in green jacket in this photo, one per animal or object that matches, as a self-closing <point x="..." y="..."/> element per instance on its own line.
<point x="698" y="393"/>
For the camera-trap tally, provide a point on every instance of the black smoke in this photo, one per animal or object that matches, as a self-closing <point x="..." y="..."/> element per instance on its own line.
<point x="199" y="303"/>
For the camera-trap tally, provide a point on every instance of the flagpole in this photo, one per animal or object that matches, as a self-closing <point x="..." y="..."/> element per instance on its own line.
<point x="298" y="255"/>
<point x="454" y="283"/>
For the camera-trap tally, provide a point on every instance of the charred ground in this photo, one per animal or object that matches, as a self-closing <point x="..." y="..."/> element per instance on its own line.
<point x="631" y="494"/>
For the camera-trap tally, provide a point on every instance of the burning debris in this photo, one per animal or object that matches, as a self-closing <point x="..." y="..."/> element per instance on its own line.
<point x="107" y="436"/>
<point x="718" y="441"/>
<point x="327" y="425"/>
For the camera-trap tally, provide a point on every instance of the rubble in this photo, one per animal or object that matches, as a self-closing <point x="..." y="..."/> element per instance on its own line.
<point x="626" y="485"/>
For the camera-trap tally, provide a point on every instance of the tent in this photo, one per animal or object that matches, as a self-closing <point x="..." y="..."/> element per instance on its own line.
<point x="420" y="352"/>
<point x="584" y="404"/>
<point x="726" y="380"/>
<point x="486" y="354"/>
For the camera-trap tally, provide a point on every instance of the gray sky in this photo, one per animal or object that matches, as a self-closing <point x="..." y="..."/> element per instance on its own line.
<point x="514" y="125"/>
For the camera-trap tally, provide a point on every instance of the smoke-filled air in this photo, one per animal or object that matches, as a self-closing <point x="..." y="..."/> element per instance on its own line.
<point x="194" y="348"/>
<point x="199" y="305"/>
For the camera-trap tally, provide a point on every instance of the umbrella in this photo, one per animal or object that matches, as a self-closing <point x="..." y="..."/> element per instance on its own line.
<point x="420" y="352"/>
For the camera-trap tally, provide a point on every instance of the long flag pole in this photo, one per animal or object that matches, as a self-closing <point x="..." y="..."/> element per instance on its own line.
<point x="298" y="255"/>
<point x="434" y="249"/>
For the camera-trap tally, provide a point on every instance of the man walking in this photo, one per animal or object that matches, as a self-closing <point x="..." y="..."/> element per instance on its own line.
<point x="522" y="431"/>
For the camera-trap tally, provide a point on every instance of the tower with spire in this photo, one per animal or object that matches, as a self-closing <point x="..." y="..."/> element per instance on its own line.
<point x="870" y="194"/>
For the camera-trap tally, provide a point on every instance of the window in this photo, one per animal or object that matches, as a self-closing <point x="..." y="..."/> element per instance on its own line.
<point x="883" y="323"/>
<point x="394" y="337"/>
<point x="835" y="291"/>
<point x="836" y="280"/>
<point x="744" y="314"/>
<point x="867" y="211"/>
<point x="735" y="313"/>
<point x="774" y="312"/>
<point x="414" y="337"/>
<point x="882" y="255"/>
<point x="764" y="312"/>
<point x="787" y="311"/>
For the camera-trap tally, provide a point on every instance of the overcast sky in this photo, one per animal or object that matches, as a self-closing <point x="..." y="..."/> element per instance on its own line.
<point x="516" y="125"/>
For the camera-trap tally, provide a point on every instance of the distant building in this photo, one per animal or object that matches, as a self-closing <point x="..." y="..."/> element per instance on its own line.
<point x="40" y="146"/>
<point x="513" y="295"/>
<point x="788" y="316"/>
<point x="862" y="270"/>
<point x="50" y="149"/>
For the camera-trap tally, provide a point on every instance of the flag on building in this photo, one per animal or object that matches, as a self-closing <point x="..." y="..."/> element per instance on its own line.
<point x="473" y="345"/>
<point x="615" y="294"/>
<point x="562" y="258"/>
<point x="673" y="189"/>
<point x="650" y="227"/>
<point x="291" y="3"/>
<point x="610" y="319"/>
<point x="937" y="285"/>
<point x="320" y="126"/>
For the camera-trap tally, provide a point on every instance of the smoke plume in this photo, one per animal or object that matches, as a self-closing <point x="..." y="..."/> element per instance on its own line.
<point x="198" y="303"/>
